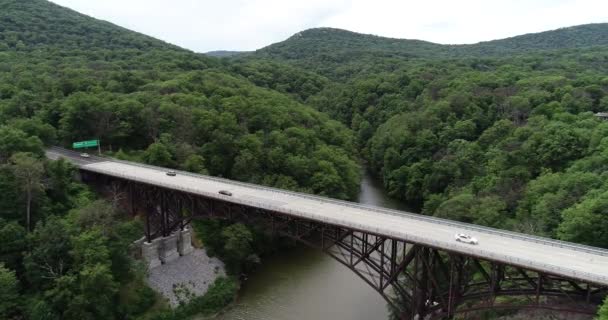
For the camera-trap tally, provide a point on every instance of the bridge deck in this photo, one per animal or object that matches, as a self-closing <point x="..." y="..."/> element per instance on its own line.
<point x="555" y="257"/>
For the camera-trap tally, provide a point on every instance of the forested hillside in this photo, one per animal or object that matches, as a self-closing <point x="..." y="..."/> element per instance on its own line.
<point x="67" y="77"/>
<point x="509" y="142"/>
<point x="148" y="93"/>
<point x="339" y="54"/>
<point x="583" y="36"/>
<point x="34" y="25"/>
<point x="500" y="133"/>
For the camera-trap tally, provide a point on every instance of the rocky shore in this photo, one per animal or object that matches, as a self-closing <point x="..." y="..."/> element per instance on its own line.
<point x="187" y="277"/>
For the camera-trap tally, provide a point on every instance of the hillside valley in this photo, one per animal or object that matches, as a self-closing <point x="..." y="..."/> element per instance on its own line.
<point x="500" y="133"/>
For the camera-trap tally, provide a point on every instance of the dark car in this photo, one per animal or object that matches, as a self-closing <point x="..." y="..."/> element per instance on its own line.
<point x="171" y="173"/>
<point x="225" y="192"/>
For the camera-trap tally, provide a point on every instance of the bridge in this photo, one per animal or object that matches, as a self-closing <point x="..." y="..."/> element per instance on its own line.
<point x="412" y="260"/>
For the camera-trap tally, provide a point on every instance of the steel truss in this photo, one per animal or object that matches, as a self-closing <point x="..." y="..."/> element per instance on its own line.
<point x="417" y="281"/>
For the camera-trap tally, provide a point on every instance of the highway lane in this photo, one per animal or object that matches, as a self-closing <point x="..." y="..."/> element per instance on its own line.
<point x="72" y="156"/>
<point x="586" y="264"/>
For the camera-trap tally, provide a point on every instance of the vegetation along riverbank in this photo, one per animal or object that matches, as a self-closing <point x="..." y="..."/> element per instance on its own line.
<point x="505" y="133"/>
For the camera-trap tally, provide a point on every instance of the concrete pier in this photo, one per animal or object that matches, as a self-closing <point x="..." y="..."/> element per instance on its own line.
<point x="168" y="248"/>
<point x="149" y="253"/>
<point x="184" y="243"/>
<point x="163" y="250"/>
<point x="136" y="248"/>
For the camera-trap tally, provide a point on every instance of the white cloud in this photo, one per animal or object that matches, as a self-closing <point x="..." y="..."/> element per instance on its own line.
<point x="206" y="25"/>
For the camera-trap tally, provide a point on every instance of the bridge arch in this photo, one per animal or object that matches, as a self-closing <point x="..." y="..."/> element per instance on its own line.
<point x="418" y="281"/>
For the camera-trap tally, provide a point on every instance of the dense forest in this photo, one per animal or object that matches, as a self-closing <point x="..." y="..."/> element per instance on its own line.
<point x="340" y="54"/>
<point x="502" y="133"/>
<point x="66" y="77"/>
<point x="503" y="140"/>
<point x="507" y="142"/>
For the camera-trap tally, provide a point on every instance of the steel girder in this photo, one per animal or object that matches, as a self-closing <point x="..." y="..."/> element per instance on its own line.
<point x="418" y="282"/>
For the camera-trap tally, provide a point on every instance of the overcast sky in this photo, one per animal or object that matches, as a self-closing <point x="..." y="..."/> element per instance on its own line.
<point x="205" y="25"/>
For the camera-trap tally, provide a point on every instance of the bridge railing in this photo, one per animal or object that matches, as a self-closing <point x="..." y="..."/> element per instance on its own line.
<point x="484" y="254"/>
<point x="466" y="226"/>
<point x="480" y="253"/>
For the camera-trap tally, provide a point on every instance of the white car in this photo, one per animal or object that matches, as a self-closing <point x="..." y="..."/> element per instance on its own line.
<point x="461" y="237"/>
<point x="85" y="155"/>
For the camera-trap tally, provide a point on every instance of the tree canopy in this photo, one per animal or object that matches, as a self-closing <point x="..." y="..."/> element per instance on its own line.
<point x="500" y="133"/>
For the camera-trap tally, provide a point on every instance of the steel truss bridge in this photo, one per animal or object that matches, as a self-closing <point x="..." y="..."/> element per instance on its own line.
<point x="411" y="260"/>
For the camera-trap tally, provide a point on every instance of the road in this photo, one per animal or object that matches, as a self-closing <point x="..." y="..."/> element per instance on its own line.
<point x="550" y="256"/>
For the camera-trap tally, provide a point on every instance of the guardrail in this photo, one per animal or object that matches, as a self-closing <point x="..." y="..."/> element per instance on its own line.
<point x="467" y="226"/>
<point x="408" y="237"/>
<point x="545" y="267"/>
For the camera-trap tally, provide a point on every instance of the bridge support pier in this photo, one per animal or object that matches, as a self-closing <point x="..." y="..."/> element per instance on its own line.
<point x="420" y="281"/>
<point x="168" y="248"/>
<point x="184" y="243"/>
<point x="149" y="253"/>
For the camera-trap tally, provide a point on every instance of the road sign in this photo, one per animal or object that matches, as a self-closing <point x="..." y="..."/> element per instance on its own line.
<point x="85" y="144"/>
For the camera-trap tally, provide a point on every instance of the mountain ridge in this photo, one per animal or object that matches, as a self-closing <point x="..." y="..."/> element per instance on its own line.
<point x="225" y="53"/>
<point x="49" y="24"/>
<point x="317" y="42"/>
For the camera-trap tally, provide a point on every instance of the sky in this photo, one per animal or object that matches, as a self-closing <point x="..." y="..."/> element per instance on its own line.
<point x="243" y="25"/>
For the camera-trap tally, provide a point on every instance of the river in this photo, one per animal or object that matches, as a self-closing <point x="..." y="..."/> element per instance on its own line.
<point x="305" y="284"/>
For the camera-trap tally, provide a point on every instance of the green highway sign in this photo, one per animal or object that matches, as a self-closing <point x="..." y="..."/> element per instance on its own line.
<point x="85" y="144"/>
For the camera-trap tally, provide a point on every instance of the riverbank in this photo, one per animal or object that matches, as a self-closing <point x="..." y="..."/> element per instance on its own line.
<point x="181" y="280"/>
<point x="298" y="283"/>
<point x="303" y="283"/>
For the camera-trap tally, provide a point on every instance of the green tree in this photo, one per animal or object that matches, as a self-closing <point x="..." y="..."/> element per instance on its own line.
<point x="158" y="154"/>
<point x="39" y="309"/>
<point x="97" y="292"/>
<point x="237" y="242"/>
<point x="100" y="215"/>
<point x="9" y="296"/>
<point x="10" y="195"/>
<point x="517" y="109"/>
<point x="86" y="288"/>
<point x="195" y="163"/>
<point x="49" y="258"/>
<point x="457" y="208"/>
<point x="326" y="179"/>
<point x="490" y="211"/>
<point x="13" y="239"/>
<point x="28" y="172"/>
<point x="60" y="186"/>
<point x="554" y="145"/>
<point x="603" y="311"/>
<point x="87" y="116"/>
<point x="34" y="127"/>
<point x="14" y="140"/>
<point x="586" y="222"/>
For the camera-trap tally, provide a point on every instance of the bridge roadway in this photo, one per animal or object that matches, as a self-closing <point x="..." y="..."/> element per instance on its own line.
<point x="580" y="262"/>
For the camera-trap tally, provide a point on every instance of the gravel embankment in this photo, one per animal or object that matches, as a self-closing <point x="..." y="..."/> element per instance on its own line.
<point x="187" y="276"/>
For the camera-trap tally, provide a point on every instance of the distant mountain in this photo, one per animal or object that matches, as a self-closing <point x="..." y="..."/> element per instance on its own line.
<point x="36" y="24"/>
<point x="225" y="53"/>
<point x="327" y="48"/>
<point x="582" y="36"/>
<point x="321" y="42"/>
